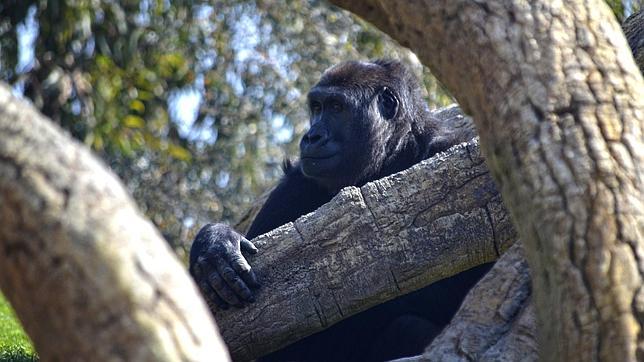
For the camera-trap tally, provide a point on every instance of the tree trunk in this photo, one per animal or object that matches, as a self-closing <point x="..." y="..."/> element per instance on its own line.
<point x="559" y="104"/>
<point x="88" y="276"/>
<point x="496" y="321"/>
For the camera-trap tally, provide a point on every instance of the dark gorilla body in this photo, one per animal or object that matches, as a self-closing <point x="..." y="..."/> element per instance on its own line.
<point x="368" y="120"/>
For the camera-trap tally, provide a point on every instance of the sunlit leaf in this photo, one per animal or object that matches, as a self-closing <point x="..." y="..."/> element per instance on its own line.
<point x="169" y="64"/>
<point x="132" y="121"/>
<point x="137" y="105"/>
<point x="179" y="152"/>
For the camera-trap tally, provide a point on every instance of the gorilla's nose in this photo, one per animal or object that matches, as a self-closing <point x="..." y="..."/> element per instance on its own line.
<point x="317" y="136"/>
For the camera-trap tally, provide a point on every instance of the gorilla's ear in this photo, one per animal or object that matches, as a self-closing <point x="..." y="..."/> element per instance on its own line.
<point x="387" y="103"/>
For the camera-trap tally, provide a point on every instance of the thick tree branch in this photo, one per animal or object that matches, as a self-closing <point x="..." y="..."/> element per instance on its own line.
<point x="559" y="104"/>
<point x="89" y="277"/>
<point x="369" y="245"/>
<point x="496" y="321"/>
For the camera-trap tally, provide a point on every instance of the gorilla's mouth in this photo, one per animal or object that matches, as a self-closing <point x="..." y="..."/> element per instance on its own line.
<point x="317" y="157"/>
<point x="318" y="165"/>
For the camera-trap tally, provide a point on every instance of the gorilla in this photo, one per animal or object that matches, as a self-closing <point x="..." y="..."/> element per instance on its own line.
<point x="367" y="120"/>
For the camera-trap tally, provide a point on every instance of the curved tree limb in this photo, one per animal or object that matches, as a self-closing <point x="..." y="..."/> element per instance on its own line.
<point x="89" y="277"/>
<point x="496" y="321"/>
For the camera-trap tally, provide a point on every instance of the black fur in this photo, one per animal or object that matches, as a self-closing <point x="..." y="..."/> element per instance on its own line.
<point x="368" y="120"/>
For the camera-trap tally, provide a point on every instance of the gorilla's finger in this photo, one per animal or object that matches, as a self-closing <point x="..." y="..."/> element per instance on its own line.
<point x="212" y="297"/>
<point x="247" y="245"/>
<point x="223" y="290"/>
<point x="250" y="279"/>
<point x="200" y="269"/>
<point x="243" y="269"/>
<point x="195" y="271"/>
<point x="235" y="282"/>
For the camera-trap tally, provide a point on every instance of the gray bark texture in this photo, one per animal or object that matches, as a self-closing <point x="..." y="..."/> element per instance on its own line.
<point x="496" y="321"/>
<point x="559" y="105"/>
<point x="369" y="245"/>
<point x="89" y="277"/>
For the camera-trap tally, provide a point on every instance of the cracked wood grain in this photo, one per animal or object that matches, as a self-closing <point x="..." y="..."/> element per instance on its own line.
<point x="496" y="321"/>
<point x="559" y="105"/>
<point x="89" y="277"/>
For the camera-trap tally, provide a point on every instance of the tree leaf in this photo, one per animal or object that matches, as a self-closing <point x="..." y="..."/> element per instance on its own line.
<point x="179" y="152"/>
<point x="132" y="121"/>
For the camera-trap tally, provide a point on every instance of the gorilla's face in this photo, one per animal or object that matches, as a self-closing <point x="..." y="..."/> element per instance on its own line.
<point x="346" y="141"/>
<point x="323" y="147"/>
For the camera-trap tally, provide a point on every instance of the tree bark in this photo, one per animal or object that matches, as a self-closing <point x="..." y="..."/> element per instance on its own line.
<point x="88" y="276"/>
<point x="369" y="245"/>
<point x="559" y="105"/>
<point x="496" y="321"/>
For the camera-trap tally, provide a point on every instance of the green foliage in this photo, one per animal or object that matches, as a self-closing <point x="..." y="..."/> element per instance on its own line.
<point x="618" y="8"/>
<point x="96" y="59"/>
<point x="622" y="9"/>
<point x="104" y="71"/>
<point x="15" y="346"/>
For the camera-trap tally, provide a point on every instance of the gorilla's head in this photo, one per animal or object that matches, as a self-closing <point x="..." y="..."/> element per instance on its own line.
<point x="363" y="119"/>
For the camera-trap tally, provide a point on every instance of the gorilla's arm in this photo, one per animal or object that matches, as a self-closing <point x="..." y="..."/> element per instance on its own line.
<point x="295" y="196"/>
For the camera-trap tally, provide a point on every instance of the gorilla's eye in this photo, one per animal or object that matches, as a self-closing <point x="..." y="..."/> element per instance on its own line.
<point x="316" y="107"/>
<point x="336" y="106"/>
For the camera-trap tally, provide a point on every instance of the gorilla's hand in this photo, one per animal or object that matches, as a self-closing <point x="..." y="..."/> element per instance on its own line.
<point x="219" y="268"/>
